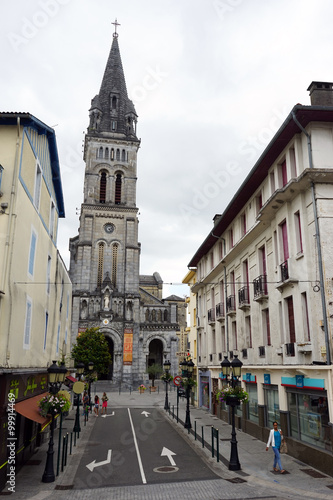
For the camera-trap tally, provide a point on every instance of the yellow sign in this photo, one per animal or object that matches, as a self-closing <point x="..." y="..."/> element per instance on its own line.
<point x="78" y="387"/>
<point x="128" y="346"/>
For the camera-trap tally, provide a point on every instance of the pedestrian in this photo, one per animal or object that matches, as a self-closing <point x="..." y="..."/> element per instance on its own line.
<point x="105" y="400"/>
<point x="85" y="400"/>
<point x="96" y="405"/>
<point x="275" y="439"/>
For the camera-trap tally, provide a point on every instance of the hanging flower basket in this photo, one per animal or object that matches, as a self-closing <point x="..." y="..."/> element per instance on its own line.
<point x="54" y="403"/>
<point x="232" y="395"/>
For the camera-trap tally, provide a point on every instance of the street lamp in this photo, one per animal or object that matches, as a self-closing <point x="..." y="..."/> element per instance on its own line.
<point x="79" y="371"/>
<point x="187" y="370"/>
<point x="231" y="374"/>
<point x="56" y="377"/>
<point x="167" y="366"/>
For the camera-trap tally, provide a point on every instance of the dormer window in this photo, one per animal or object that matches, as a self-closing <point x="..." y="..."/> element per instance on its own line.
<point x="114" y="103"/>
<point x="114" y="125"/>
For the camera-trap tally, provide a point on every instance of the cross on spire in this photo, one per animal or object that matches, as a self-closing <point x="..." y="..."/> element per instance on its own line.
<point x="115" y="34"/>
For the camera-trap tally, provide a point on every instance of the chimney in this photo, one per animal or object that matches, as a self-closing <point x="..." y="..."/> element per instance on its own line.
<point x="321" y="93"/>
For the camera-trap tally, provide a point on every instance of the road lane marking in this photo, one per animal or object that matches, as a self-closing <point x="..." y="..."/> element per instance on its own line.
<point x="143" y="477"/>
<point x="168" y="453"/>
<point x="93" y="464"/>
<point x="108" y="415"/>
<point x="146" y="413"/>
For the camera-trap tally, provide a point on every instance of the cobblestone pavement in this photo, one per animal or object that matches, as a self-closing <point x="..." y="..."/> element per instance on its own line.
<point x="255" y="480"/>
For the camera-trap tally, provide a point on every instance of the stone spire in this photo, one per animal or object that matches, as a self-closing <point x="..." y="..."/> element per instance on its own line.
<point x="111" y="110"/>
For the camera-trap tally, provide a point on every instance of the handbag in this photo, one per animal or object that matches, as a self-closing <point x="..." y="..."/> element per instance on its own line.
<point x="283" y="447"/>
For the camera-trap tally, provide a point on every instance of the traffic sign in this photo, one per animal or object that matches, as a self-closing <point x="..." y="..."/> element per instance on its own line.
<point x="177" y="380"/>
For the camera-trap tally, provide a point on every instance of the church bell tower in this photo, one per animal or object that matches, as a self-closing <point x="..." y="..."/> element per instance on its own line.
<point x="104" y="264"/>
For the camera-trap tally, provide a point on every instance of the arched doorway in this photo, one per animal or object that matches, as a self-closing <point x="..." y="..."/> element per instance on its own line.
<point x="155" y="352"/>
<point x="109" y="375"/>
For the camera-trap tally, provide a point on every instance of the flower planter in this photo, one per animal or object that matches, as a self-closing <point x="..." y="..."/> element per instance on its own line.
<point x="152" y="389"/>
<point x="232" y="400"/>
<point x="141" y="391"/>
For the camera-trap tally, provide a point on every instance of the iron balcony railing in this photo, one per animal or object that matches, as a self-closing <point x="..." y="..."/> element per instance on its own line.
<point x="243" y="296"/>
<point x="211" y="315"/>
<point x="231" y="303"/>
<point x="284" y="271"/>
<point x="220" y="310"/>
<point x="260" y="286"/>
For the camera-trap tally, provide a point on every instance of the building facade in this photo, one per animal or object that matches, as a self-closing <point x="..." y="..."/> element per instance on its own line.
<point x="108" y="291"/>
<point x="264" y="286"/>
<point x="35" y="289"/>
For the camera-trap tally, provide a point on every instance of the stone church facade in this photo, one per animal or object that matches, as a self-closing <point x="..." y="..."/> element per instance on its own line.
<point x="108" y="291"/>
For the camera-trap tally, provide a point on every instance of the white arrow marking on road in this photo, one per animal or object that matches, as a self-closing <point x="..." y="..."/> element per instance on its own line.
<point x="168" y="453"/>
<point x="93" y="464"/>
<point x="108" y="415"/>
<point x="146" y="413"/>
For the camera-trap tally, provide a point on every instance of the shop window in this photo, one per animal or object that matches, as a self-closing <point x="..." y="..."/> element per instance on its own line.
<point x="272" y="405"/>
<point x="309" y="419"/>
<point x="253" y="414"/>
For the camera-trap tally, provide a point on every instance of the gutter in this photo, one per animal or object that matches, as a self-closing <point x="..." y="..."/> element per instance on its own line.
<point x="317" y="235"/>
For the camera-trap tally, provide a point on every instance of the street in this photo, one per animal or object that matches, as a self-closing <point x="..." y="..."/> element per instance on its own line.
<point x="135" y="446"/>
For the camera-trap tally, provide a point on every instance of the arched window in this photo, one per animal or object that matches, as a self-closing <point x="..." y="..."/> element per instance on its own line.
<point x="106" y="156"/>
<point x="123" y="155"/>
<point x="114" y="102"/>
<point x="100" y="152"/>
<point x="118" y="154"/>
<point x="100" y="264"/>
<point x="102" y="188"/>
<point x="114" y="264"/>
<point x="112" y="154"/>
<point x="118" y="190"/>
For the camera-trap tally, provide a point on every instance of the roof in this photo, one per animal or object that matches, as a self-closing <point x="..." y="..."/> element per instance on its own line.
<point x="28" y="120"/>
<point x="304" y="115"/>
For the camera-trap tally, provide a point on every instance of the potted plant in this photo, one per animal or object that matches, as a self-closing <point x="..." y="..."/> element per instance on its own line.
<point x="232" y="395"/>
<point x="154" y="371"/>
<point x="142" y="389"/>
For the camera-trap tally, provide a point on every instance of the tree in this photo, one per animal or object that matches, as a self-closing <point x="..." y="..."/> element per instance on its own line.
<point x="154" y="371"/>
<point x="91" y="345"/>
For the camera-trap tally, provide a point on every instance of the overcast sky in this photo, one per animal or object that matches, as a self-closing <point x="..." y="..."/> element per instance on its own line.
<point x="211" y="80"/>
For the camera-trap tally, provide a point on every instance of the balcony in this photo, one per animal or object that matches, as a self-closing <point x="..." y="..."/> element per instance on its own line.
<point x="211" y="315"/>
<point x="285" y="275"/>
<point x="290" y="349"/>
<point x="260" y="291"/>
<point x="304" y="348"/>
<point x="261" y="351"/>
<point x="220" y="311"/>
<point x="231" y="304"/>
<point x="284" y="270"/>
<point x="244" y="297"/>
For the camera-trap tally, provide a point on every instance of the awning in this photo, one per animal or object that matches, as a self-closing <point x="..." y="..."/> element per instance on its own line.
<point x="29" y="409"/>
<point x="71" y="379"/>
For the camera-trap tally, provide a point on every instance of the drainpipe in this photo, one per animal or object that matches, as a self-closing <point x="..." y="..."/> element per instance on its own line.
<point x="320" y="261"/>
<point x="7" y="258"/>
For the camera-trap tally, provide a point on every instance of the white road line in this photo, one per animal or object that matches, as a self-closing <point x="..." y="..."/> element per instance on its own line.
<point x="143" y="477"/>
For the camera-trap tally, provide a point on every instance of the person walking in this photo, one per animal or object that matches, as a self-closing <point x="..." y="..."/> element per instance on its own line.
<point x="96" y="405"/>
<point x="275" y="439"/>
<point x="105" y="400"/>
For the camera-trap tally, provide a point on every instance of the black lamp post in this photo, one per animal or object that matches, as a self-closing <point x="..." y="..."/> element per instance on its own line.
<point x="167" y="366"/>
<point x="232" y="372"/>
<point x="79" y="371"/>
<point x="56" y="377"/>
<point x="187" y="370"/>
<point x="90" y="368"/>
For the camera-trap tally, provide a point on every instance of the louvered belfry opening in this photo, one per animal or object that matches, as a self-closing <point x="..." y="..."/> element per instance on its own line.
<point x="102" y="188"/>
<point x="118" y="190"/>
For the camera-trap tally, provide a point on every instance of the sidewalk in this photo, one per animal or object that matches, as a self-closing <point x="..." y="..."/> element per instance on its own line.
<point x="255" y="476"/>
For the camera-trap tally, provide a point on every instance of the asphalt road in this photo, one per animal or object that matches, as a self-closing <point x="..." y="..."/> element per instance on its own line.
<point x="133" y="446"/>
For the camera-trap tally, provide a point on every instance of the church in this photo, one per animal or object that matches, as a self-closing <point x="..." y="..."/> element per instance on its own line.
<point x="108" y="291"/>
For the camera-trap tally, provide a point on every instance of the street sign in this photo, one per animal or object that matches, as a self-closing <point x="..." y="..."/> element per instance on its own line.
<point x="177" y="380"/>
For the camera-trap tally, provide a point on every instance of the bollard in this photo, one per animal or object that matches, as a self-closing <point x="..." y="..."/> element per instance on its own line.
<point x="173" y="411"/>
<point x="215" y="434"/>
<point x="195" y="430"/>
<point x="202" y="437"/>
<point x="71" y="443"/>
<point x="59" y="444"/>
<point x="66" y="446"/>
<point x="63" y="453"/>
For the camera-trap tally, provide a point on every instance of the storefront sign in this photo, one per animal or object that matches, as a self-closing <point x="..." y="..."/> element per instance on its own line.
<point x="267" y="379"/>
<point x="300" y="381"/>
<point x="25" y="386"/>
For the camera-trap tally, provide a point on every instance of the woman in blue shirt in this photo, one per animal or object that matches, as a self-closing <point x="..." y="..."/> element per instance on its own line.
<point x="275" y="438"/>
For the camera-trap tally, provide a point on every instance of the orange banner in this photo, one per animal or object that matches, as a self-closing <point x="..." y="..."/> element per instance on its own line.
<point x="128" y="346"/>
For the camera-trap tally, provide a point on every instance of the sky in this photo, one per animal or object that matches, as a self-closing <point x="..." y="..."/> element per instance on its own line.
<point x="211" y="81"/>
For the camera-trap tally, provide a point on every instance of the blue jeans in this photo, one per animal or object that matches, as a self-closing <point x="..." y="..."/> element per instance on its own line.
<point x="277" y="459"/>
